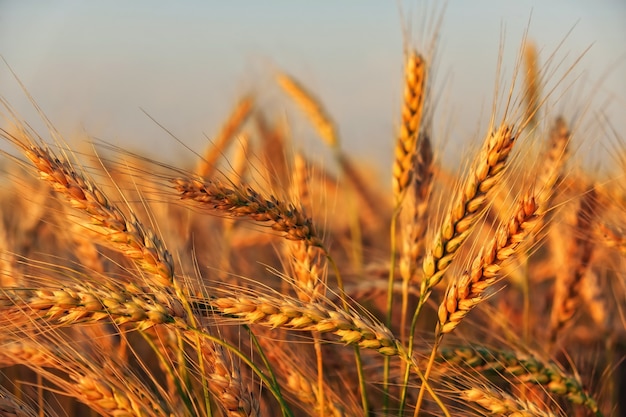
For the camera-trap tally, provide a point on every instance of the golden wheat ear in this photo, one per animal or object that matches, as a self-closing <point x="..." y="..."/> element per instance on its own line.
<point x="468" y="205"/>
<point x="499" y="403"/>
<point x="519" y="368"/>
<point x="240" y="113"/>
<point x="312" y="108"/>
<point x="580" y="251"/>
<point x="412" y="108"/>
<point x="467" y="291"/>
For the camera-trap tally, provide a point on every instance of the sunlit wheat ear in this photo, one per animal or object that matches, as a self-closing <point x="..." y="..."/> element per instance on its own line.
<point x="291" y="314"/>
<point x="312" y="108"/>
<point x="325" y="126"/>
<point x="135" y="308"/>
<point x="518" y="368"/>
<point x="122" y="233"/>
<point x="233" y="124"/>
<point x="84" y="303"/>
<point x="533" y="84"/>
<point x="109" y="391"/>
<point x="467" y="206"/>
<point x="274" y="139"/>
<point x="226" y="384"/>
<point x="413" y="104"/>
<point x="553" y="160"/>
<point x="580" y="249"/>
<point x="467" y="291"/>
<point x="299" y="378"/>
<point x="501" y="404"/>
<point x="244" y="201"/>
<point x="415" y="220"/>
<point x="306" y="263"/>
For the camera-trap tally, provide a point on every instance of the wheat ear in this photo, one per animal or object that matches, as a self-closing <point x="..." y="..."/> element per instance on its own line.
<point x="466" y="209"/>
<point x="126" y="235"/>
<point x="416" y="209"/>
<point x="553" y="160"/>
<point x="237" y="118"/>
<point x="413" y="104"/>
<point x="226" y="384"/>
<point x="501" y="404"/>
<point x="82" y="303"/>
<point x="290" y="314"/>
<point x="243" y="201"/>
<point x="111" y="392"/>
<point x="312" y="108"/>
<point x="533" y="84"/>
<point x="580" y="251"/>
<point x="467" y="291"/>
<point x="518" y="368"/>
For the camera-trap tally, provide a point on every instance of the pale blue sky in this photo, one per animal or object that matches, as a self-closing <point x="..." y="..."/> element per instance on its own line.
<point x="94" y="64"/>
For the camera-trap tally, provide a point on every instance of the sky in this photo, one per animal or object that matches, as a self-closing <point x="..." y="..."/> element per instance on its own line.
<point x="95" y="67"/>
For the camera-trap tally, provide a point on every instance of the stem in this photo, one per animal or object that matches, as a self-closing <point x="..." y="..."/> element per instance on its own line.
<point x="274" y="388"/>
<point x="392" y="268"/>
<point x="320" y="372"/>
<point x="411" y="364"/>
<point x="429" y="367"/>
<point x="407" y="371"/>
<point x="266" y="361"/>
<point x="357" y="352"/>
<point x="526" y="302"/>
<point x="183" y="392"/>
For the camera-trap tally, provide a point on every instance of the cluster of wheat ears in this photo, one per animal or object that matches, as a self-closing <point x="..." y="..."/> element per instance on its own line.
<point x="256" y="282"/>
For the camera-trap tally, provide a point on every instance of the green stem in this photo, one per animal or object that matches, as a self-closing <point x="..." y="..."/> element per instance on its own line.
<point x="392" y="269"/>
<point x="261" y="353"/>
<point x="184" y="393"/>
<point x="411" y="364"/>
<point x="407" y="371"/>
<point x="429" y="367"/>
<point x="274" y="388"/>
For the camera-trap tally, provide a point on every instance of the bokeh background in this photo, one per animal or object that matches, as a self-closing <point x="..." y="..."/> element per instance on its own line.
<point x="95" y="66"/>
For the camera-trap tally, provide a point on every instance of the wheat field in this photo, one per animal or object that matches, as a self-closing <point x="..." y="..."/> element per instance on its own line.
<point x="253" y="280"/>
